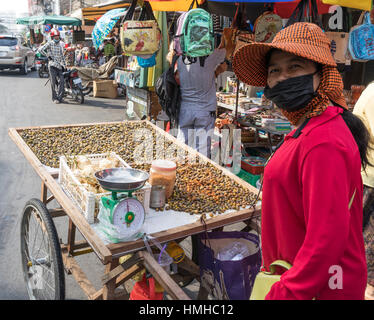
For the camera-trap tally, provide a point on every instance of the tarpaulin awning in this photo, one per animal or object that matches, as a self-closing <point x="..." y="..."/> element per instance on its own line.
<point x="53" y="19"/>
<point x="172" y="5"/>
<point x="94" y="13"/>
<point x="254" y="1"/>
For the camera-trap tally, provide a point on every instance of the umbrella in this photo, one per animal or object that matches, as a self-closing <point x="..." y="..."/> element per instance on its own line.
<point x="104" y="25"/>
<point x="53" y="19"/>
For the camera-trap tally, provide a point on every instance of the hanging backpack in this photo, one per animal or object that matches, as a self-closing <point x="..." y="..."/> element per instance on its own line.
<point x="177" y="43"/>
<point x="168" y="92"/>
<point x="196" y="36"/>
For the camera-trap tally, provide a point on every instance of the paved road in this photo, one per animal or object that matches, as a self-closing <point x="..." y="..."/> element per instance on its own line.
<point x="25" y="101"/>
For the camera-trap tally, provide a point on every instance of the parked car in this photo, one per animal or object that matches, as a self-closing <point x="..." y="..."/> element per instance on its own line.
<point x="15" y="54"/>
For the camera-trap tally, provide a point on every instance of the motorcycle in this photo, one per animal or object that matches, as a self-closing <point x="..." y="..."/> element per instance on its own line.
<point x="42" y="66"/>
<point x="73" y="86"/>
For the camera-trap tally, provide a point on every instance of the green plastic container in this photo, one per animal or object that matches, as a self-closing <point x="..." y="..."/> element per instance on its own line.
<point x="248" y="177"/>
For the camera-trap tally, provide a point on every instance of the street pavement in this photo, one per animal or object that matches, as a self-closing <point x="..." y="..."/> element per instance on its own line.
<point x="25" y="101"/>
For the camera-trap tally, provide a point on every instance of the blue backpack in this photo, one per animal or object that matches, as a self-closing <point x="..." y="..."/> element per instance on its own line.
<point x="361" y="40"/>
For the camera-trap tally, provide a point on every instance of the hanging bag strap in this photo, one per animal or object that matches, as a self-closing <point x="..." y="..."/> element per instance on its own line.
<point x="130" y="11"/>
<point x="351" y="201"/>
<point x="234" y="23"/>
<point x="147" y="239"/>
<point x="143" y="14"/>
<point x="173" y="62"/>
<point x="307" y="17"/>
<point x="315" y="16"/>
<point x="297" y="14"/>
<point x="202" y="220"/>
<point x="191" y="6"/>
<point x="147" y="12"/>
<point x="361" y="18"/>
<point x="278" y="263"/>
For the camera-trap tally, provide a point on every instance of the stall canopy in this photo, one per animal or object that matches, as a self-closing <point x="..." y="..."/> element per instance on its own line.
<point x="105" y="25"/>
<point x="94" y="13"/>
<point x="255" y="1"/>
<point x="172" y="5"/>
<point x="54" y="19"/>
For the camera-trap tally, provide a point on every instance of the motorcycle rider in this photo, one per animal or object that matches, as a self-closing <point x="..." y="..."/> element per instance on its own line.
<point x="55" y="53"/>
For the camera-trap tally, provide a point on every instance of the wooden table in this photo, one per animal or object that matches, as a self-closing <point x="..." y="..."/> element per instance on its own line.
<point x="116" y="274"/>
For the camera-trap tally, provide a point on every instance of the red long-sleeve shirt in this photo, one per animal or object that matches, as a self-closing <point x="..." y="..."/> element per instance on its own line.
<point x="307" y="187"/>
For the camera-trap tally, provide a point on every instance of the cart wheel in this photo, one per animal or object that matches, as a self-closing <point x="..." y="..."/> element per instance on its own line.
<point x="41" y="254"/>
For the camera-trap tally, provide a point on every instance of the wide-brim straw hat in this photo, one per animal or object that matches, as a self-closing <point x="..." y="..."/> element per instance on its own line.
<point x="302" y="39"/>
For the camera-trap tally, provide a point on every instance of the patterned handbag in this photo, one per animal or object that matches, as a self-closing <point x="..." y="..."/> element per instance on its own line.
<point x="143" y="36"/>
<point x="361" y="39"/>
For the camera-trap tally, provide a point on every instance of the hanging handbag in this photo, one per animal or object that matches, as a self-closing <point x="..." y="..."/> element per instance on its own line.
<point x="356" y="4"/>
<point x="306" y="11"/>
<point x="229" y="263"/>
<point x="265" y="280"/>
<point x="285" y="9"/>
<point x="361" y="39"/>
<point x="78" y="34"/>
<point x="143" y="36"/>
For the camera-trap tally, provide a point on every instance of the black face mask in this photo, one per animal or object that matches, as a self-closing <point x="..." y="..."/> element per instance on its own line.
<point x="292" y="94"/>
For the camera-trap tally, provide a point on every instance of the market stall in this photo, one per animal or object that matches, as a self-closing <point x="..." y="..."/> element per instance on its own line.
<point x="237" y="201"/>
<point x="205" y="196"/>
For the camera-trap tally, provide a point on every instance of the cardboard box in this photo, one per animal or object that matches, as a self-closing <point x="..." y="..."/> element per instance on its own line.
<point x="105" y="89"/>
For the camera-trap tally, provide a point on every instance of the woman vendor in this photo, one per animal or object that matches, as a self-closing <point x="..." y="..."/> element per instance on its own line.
<point x="312" y="211"/>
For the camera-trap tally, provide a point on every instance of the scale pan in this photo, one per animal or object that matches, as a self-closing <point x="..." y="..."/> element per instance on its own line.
<point x="121" y="179"/>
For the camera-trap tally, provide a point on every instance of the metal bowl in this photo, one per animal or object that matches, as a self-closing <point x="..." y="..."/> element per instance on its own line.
<point x="121" y="179"/>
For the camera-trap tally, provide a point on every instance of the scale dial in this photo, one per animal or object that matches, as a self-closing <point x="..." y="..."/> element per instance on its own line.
<point x="128" y="216"/>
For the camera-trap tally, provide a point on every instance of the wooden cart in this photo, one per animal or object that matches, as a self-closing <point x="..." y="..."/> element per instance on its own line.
<point x="62" y="256"/>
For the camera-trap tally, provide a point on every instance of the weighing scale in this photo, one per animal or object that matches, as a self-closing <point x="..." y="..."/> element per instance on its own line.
<point x="126" y="211"/>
